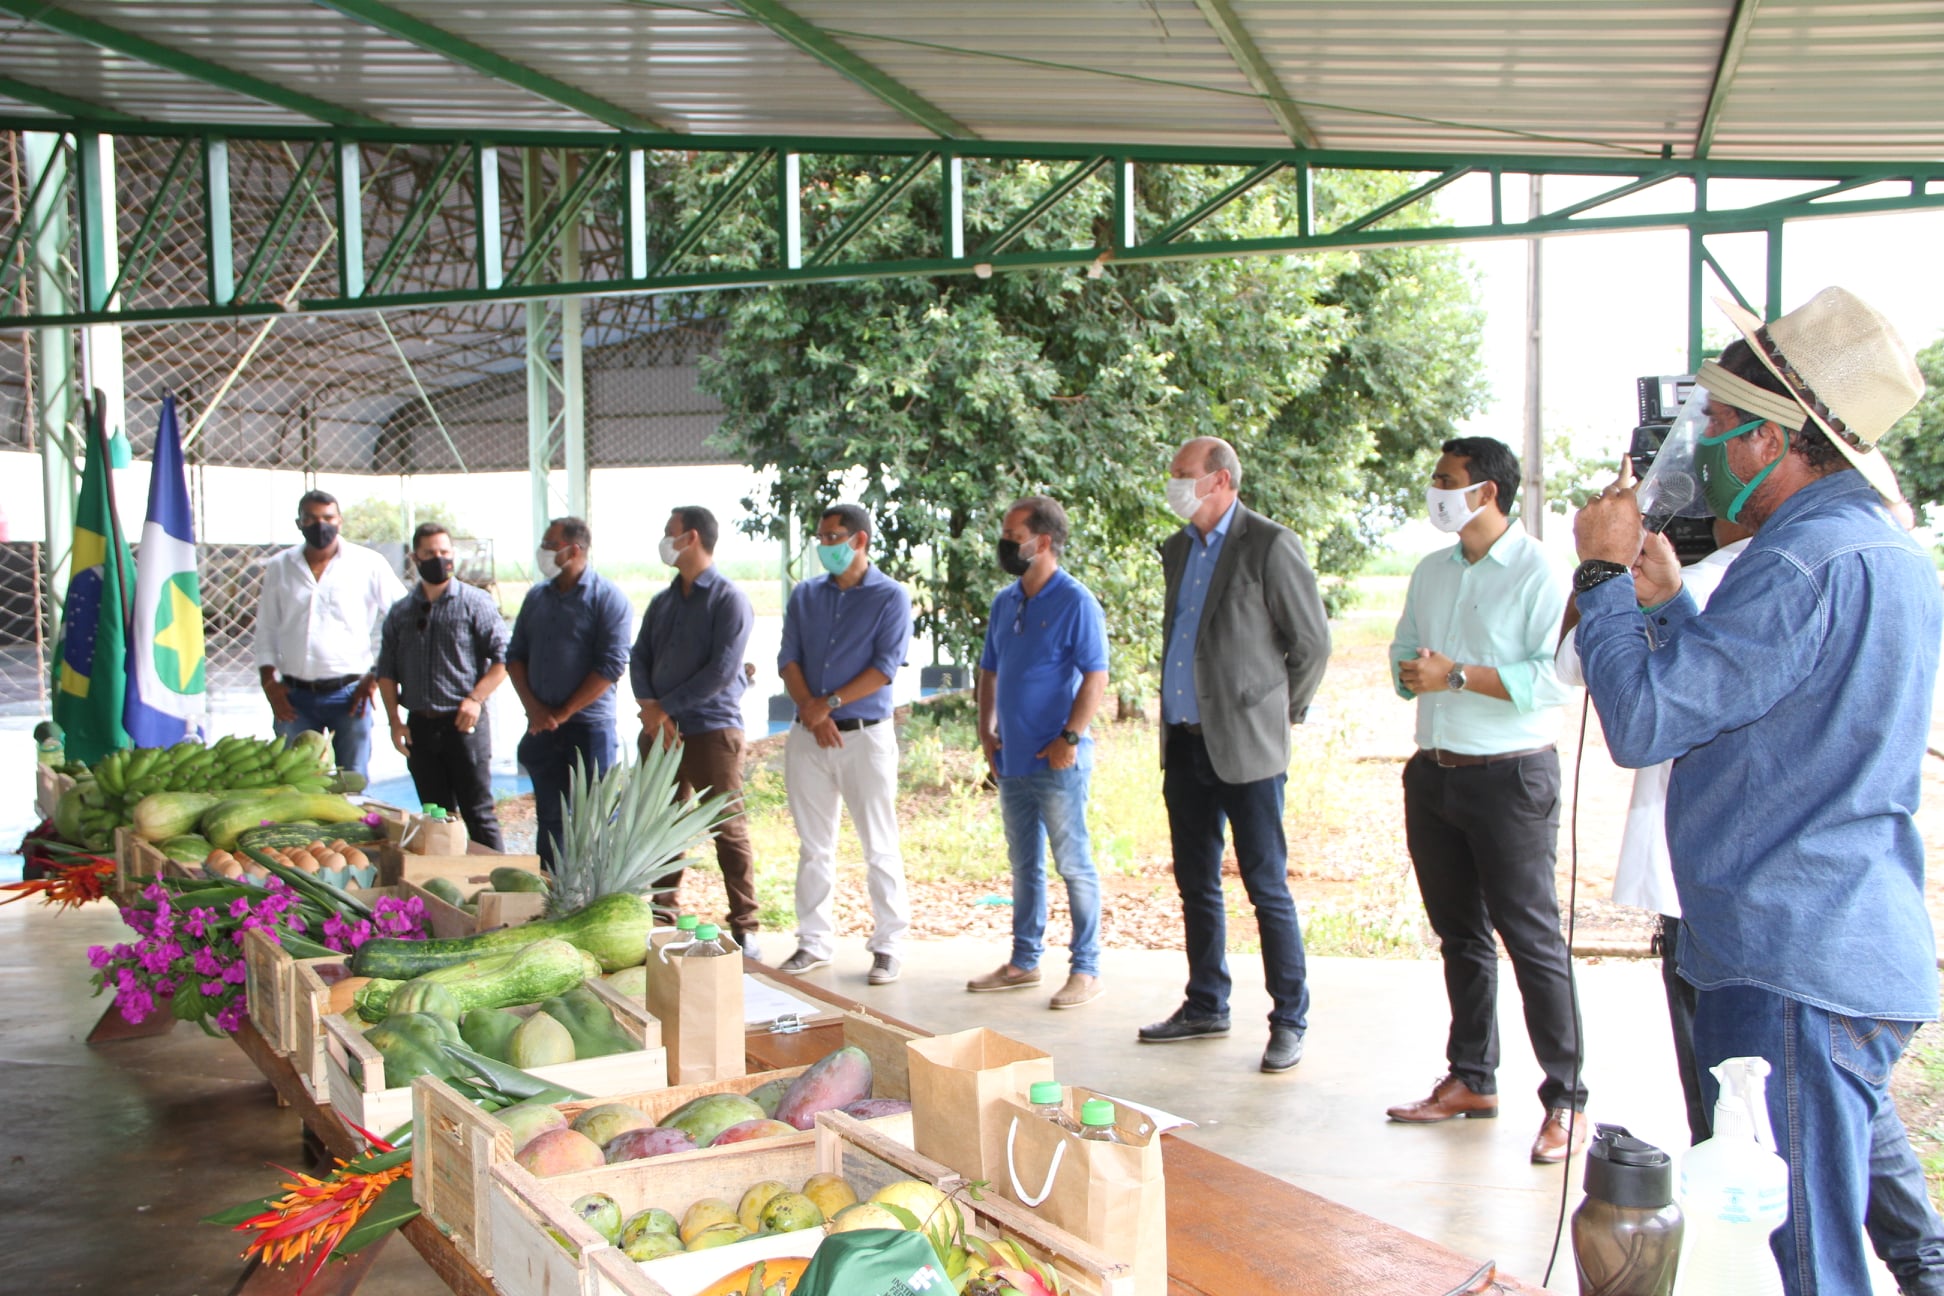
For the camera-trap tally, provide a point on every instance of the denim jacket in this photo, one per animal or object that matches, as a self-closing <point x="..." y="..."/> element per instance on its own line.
<point x="1796" y="709"/>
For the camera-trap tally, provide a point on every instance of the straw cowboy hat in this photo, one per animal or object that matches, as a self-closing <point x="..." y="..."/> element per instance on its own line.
<point x="1844" y="367"/>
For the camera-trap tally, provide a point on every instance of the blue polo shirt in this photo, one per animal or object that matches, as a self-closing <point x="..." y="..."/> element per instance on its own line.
<point x="1039" y="647"/>
<point x="833" y="633"/>
<point x="564" y="636"/>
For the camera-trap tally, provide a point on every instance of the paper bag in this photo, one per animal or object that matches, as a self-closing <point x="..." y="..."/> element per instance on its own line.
<point x="1109" y="1194"/>
<point x="427" y="836"/>
<point x="699" y="1002"/>
<point x="959" y="1085"/>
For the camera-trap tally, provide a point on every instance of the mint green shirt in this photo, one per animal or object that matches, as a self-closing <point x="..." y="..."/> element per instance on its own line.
<point x="1501" y="611"/>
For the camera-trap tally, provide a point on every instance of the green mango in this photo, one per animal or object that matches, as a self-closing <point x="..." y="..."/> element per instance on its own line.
<point x="591" y="1024"/>
<point x="490" y="1031"/>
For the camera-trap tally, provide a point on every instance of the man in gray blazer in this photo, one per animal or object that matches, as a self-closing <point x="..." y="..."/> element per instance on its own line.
<point x="1245" y="642"/>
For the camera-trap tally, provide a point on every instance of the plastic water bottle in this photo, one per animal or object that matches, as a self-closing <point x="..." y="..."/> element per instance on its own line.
<point x="707" y="943"/>
<point x="1734" y="1192"/>
<point x="1097" y="1122"/>
<point x="1627" y="1233"/>
<point x="1045" y="1096"/>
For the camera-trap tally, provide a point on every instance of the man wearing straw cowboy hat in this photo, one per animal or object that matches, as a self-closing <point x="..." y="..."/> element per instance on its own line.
<point x="1796" y="709"/>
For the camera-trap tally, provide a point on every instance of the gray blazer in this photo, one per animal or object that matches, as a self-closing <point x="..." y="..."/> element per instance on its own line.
<point x="1261" y="648"/>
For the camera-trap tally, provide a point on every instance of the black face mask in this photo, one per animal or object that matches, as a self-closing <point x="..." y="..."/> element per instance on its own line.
<point x="435" y="571"/>
<point x="319" y="535"/>
<point x="1009" y="560"/>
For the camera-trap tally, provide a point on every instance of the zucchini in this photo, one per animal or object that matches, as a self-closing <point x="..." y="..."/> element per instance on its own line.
<point x="227" y="820"/>
<point x="278" y="835"/>
<point x="539" y="971"/>
<point x="614" y="929"/>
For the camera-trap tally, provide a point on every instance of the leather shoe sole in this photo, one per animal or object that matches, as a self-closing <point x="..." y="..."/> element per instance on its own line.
<point x="992" y="982"/>
<point x="1281" y="1055"/>
<point x="1173" y="1031"/>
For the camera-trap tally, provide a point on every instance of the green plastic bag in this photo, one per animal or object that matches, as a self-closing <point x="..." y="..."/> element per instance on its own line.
<point x="874" y="1262"/>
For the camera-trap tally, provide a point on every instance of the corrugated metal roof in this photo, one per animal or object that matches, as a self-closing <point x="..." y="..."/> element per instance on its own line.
<point x="1836" y="79"/>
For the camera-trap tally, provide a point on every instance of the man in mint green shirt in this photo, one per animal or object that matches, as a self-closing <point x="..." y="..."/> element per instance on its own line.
<point x="1474" y="648"/>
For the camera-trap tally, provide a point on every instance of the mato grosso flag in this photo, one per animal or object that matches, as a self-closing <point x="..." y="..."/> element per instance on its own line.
<point x="89" y="669"/>
<point x="166" y="689"/>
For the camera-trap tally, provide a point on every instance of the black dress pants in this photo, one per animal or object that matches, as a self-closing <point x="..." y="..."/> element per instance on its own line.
<point x="454" y="770"/>
<point x="1484" y="842"/>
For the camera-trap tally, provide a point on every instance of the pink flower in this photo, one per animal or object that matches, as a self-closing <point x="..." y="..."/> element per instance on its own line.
<point x="135" y="1003"/>
<point x="100" y="956"/>
<point x="206" y="963"/>
<point x="239" y="907"/>
<point x="230" y="1016"/>
<point x="235" y="973"/>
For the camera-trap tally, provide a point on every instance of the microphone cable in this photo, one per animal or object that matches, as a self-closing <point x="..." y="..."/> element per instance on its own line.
<point x="1572" y="984"/>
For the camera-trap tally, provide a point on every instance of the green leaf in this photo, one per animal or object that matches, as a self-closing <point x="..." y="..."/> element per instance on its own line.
<point x="393" y="1209"/>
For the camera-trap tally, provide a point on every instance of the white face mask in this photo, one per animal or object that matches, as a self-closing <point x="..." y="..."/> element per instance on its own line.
<point x="547" y="563"/>
<point x="669" y="553"/>
<point x="1184" y="495"/>
<point x="1447" y="507"/>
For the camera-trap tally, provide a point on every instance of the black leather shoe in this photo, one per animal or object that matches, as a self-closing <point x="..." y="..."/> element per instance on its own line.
<point x="1184" y="1025"/>
<point x="1285" y="1048"/>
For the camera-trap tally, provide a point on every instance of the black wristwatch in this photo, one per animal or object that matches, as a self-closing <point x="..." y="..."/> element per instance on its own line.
<point x="1595" y="571"/>
<point x="1072" y="738"/>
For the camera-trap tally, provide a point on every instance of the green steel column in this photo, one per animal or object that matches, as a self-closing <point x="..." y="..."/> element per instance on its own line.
<point x="573" y="387"/>
<point x="218" y="243"/>
<point x="1697" y="272"/>
<point x="1772" y="310"/>
<point x="54" y="393"/>
<point x="538" y="370"/>
<point x="102" y="368"/>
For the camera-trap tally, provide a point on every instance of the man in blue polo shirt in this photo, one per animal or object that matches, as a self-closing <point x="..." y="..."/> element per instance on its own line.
<point x="844" y="637"/>
<point x="569" y="646"/>
<point x="1041" y="678"/>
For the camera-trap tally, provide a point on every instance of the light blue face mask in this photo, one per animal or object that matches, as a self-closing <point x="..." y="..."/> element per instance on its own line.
<point x="836" y="558"/>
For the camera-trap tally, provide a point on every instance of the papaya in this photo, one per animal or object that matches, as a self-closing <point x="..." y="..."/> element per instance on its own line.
<point x="833" y="1082"/>
<point x="540" y="1041"/>
<point x="445" y="889"/>
<point x="489" y="1031"/>
<point x="594" y="1030"/>
<point x="508" y="878"/>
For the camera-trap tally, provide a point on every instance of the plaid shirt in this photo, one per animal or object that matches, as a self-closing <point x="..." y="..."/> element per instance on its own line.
<point x="437" y="652"/>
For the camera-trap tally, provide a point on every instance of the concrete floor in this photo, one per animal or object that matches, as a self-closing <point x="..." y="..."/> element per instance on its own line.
<point x="115" y="1152"/>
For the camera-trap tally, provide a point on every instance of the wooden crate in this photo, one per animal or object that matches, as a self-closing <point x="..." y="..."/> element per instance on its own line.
<point x="456" y="1145"/>
<point x="137" y="863"/>
<point x="355" y="1073"/>
<point x="50" y="785"/>
<point x="499" y="909"/>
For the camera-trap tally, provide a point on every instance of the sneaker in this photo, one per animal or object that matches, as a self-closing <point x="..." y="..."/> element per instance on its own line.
<point x="1007" y="977"/>
<point x="1184" y="1025"/>
<point x="1080" y="988"/>
<point x="803" y="961"/>
<point x="884" y="969"/>
<point x="747" y="940"/>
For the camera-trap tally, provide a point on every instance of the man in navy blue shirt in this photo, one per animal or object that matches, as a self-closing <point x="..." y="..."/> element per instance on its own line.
<point x="844" y="638"/>
<point x="1041" y="678"/>
<point x="569" y="646"/>
<point x="687" y="670"/>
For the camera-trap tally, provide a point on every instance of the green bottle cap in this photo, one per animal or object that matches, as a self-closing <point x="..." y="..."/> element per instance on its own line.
<point x="1096" y="1111"/>
<point x="431" y="811"/>
<point x="1044" y="1093"/>
<point x="707" y="932"/>
<point x="687" y="923"/>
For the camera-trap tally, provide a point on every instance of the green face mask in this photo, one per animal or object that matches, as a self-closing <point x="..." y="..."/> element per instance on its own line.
<point x="1725" y="492"/>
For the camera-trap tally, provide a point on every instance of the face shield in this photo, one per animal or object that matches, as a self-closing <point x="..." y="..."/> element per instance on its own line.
<point x="1671" y="487"/>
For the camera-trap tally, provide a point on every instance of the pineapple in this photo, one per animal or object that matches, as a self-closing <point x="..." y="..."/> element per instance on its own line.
<point x="1003" y="1268"/>
<point x="626" y="830"/>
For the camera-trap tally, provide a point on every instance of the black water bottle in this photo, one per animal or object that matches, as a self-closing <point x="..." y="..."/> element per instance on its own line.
<point x="1627" y="1233"/>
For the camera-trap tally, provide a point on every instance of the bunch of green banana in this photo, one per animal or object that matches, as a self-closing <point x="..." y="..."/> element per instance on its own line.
<point x="104" y="796"/>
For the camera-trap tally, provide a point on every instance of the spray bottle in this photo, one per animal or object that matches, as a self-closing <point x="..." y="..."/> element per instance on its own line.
<point x="1734" y="1192"/>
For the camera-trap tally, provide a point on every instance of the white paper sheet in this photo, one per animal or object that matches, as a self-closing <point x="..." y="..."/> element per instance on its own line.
<point x="765" y="1001"/>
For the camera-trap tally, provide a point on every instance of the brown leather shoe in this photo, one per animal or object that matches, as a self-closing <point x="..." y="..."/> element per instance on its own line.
<point x="1450" y="1098"/>
<point x="1550" y="1147"/>
<point x="1007" y="977"/>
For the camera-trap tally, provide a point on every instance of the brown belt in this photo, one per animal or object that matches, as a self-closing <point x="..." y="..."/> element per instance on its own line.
<point x="1459" y="760"/>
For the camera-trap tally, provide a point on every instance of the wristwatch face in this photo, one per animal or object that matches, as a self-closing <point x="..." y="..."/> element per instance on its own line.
<point x="1072" y="738"/>
<point x="1455" y="681"/>
<point x="833" y="701"/>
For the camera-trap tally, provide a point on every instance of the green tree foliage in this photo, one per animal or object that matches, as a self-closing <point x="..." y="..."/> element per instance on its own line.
<point x="937" y="401"/>
<point x="1916" y="444"/>
<point x="377" y="521"/>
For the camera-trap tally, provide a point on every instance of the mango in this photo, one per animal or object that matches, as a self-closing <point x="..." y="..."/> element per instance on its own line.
<point x="749" y="1211"/>
<point x="559" y="1152"/>
<point x="601" y="1213"/>
<point x="527" y="1121"/>
<point x="831" y="1193"/>
<point x="743" y="1131"/>
<point x="609" y="1121"/>
<point x="767" y="1096"/>
<point x="634" y="1144"/>
<point x="490" y="1031"/>
<point x="652" y="1220"/>
<point x="706" y="1213"/>
<point x="705" y="1117"/>
<point x="652" y="1246"/>
<point x="787" y="1212"/>
<point x="877" y="1108"/>
<point x="833" y="1082"/>
<point x="864" y="1215"/>
<point x="632" y="982"/>
<point x="720" y="1235"/>
<point x="540" y="1041"/>
<point x="937" y="1215"/>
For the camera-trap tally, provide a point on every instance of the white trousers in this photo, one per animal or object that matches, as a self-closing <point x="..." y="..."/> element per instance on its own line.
<point x="862" y="775"/>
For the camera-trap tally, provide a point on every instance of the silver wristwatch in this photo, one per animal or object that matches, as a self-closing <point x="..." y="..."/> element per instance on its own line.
<point x="1455" y="680"/>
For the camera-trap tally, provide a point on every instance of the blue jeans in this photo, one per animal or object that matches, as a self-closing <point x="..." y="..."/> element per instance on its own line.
<point x="1848" y="1155"/>
<point x="1199" y="806"/>
<point x="331" y="713"/>
<point x="1045" y="806"/>
<point x="547" y="758"/>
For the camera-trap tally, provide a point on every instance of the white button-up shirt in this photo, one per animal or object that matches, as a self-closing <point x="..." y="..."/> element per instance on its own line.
<point x="313" y="628"/>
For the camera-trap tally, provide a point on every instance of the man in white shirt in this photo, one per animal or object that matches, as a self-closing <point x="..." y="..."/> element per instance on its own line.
<point x="320" y="612"/>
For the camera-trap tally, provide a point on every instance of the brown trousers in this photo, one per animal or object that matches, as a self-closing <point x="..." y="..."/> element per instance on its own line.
<point x="713" y="760"/>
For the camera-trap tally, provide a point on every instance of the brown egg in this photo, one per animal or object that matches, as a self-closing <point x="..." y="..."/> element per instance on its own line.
<point x="226" y="868"/>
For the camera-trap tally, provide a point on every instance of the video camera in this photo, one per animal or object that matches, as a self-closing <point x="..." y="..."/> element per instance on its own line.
<point x="1660" y="399"/>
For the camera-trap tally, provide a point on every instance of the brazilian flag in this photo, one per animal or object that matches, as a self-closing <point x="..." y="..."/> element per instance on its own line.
<point x="90" y="663"/>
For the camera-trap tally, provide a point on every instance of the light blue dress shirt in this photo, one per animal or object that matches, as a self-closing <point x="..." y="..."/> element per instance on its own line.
<point x="1179" y="705"/>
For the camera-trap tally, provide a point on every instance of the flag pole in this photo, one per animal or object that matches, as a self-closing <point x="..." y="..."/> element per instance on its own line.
<point x="118" y="540"/>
